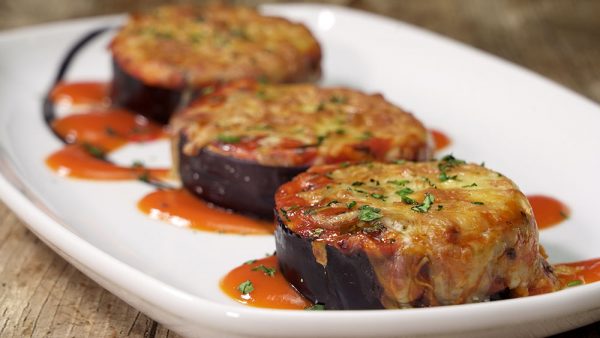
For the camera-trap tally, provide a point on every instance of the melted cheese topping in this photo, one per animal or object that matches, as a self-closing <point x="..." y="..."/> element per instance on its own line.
<point x="175" y="46"/>
<point x="288" y="125"/>
<point x="436" y="233"/>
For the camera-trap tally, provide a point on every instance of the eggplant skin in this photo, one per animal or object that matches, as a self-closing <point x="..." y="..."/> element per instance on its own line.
<point x="244" y="186"/>
<point x="346" y="282"/>
<point x="156" y="103"/>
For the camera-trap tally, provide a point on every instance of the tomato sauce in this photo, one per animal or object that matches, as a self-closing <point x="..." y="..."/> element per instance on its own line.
<point x="548" y="211"/>
<point x="107" y="129"/>
<point x="440" y="139"/>
<point x="260" y="283"/>
<point x="79" y="161"/>
<point x="577" y="273"/>
<point x="181" y="208"/>
<point x="82" y="93"/>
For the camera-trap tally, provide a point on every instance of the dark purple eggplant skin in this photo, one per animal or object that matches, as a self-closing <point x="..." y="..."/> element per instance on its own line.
<point x="347" y="282"/>
<point x="244" y="186"/>
<point x="155" y="103"/>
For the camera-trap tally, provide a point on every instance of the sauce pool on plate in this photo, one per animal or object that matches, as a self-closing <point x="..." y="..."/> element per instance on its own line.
<point x="259" y="283"/>
<point x="181" y="208"/>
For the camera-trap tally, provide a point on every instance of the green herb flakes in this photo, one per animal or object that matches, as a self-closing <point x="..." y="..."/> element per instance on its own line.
<point x="368" y="213"/>
<point x="398" y="182"/>
<point x="574" y="283"/>
<point x="316" y="233"/>
<point x="315" y="307"/>
<point x="424" y="207"/>
<point x="246" y="287"/>
<point x="252" y="261"/>
<point x="477" y="203"/>
<point x="266" y="270"/>
<point x="351" y="204"/>
<point x="228" y="138"/>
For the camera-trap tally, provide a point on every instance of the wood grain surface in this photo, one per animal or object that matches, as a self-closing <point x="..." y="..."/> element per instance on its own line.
<point x="41" y="295"/>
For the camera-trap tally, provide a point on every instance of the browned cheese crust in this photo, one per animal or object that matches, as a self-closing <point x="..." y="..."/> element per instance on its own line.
<point x="435" y="233"/>
<point x="179" y="46"/>
<point x="299" y="125"/>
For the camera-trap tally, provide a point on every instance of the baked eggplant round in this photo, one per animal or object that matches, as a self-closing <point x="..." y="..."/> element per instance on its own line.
<point x="374" y="235"/>
<point x="174" y="52"/>
<point x="237" y="145"/>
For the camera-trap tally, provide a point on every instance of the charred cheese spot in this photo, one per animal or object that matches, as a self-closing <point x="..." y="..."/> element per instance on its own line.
<point x="177" y="46"/>
<point x="301" y="124"/>
<point x="431" y="239"/>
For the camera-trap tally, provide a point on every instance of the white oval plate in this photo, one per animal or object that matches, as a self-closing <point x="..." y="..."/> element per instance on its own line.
<point x="541" y="135"/>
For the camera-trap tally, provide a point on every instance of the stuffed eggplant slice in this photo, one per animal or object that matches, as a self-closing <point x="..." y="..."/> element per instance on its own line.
<point x="165" y="55"/>
<point x="406" y="235"/>
<point x="236" y="146"/>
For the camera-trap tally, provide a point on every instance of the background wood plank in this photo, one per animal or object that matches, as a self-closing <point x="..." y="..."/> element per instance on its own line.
<point x="42" y="295"/>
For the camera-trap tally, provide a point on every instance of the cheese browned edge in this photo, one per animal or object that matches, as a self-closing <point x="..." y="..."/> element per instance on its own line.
<point x="299" y="125"/>
<point x="196" y="46"/>
<point x="435" y="233"/>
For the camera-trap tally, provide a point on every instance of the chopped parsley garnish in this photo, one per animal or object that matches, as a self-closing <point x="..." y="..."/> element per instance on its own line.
<point x="246" y="287"/>
<point x="408" y="200"/>
<point x="137" y="164"/>
<point x="400" y="161"/>
<point x="250" y="262"/>
<point x="316" y="233"/>
<point x="264" y="269"/>
<point x="357" y="184"/>
<point x="365" y="136"/>
<point x="477" y="203"/>
<point x="93" y="150"/>
<point x="351" y="204"/>
<point x="285" y="214"/>
<point x="424" y="207"/>
<point x="376" y="227"/>
<point x="378" y="196"/>
<point x="344" y="164"/>
<point x="428" y="181"/>
<point x="144" y="177"/>
<point x="315" y="307"/>
<point x="320" y="139"/>
<point x="404" y="191"/>
<point x="368" y="213"/>
<point x="360" y="191"/>
<point x="228" y="138"/>
<point x="470" y="185"/>
<point x="338" y="99"/>
<point x="440" y="207"/>
<point x="448" y="162"/>
<point x="110" y="131"/>
<point x="340" y="131"/>
<point x="574" y="283"/>
<point x="309" y="211"/>
<point x="398" y="182"/>
<point x="332" y="203"/>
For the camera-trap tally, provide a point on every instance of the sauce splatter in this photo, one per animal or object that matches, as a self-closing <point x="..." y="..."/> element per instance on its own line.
<point x="83" y="93"/>
<point x="82" y="161"/>
<point x="179" y="207"/>
<point x="255" y="284"/>
<point x="548" y="211"/>
<point x="107" y="129"/>
<point x="577" y="273"/>
<point x="440" y="139"/>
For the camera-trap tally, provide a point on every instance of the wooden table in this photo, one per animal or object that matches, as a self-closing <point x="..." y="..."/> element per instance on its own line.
<point x="42" y="295"/>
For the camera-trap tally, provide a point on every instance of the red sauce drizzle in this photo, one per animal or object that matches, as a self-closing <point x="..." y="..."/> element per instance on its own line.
<point x="268" y="291"/>
<point x="585" y="272"/>
<point x="548" y="211"/>
<point x="440" y="139"/>
<point x="181" y="208"/>
<point x="80" y="93"/>
<point x="108" y="129"/>
<point x="77" y="161"/>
